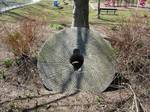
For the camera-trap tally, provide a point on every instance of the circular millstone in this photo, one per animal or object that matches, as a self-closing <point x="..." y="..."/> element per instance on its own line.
<point x="57" y="73"/>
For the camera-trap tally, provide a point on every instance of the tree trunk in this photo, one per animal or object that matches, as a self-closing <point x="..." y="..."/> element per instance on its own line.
<point x="98" y="11"/>
<point x="81" y="13"/>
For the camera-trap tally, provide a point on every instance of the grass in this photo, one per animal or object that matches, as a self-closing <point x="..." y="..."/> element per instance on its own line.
<point x="45" y="9"/>
<point x="2" y="74"/>
<point x="56" y="26"/>
<point x="21" y="38"/>
<point x="11" y="2"/>
<point x="115" y="19"/>
<point x="8" y="63"/>
<point x="132" y="44"/>
<point x="56" y="17"/>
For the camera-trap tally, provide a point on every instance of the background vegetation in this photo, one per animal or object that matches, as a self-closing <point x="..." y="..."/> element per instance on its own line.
<point x="24" y="30"/>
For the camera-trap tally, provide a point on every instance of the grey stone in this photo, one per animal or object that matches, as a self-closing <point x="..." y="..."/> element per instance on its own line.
<point x="57" y="73"/>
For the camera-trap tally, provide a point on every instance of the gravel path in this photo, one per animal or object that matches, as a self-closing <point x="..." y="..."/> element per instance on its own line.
<point x="2" y="10"/>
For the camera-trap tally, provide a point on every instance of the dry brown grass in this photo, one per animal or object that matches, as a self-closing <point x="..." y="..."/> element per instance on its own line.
<point x="132" y="46"/>
<point x="20" y="39"/>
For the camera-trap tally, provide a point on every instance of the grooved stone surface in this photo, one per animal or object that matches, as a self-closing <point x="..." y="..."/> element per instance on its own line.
<point x="57" y="73"/>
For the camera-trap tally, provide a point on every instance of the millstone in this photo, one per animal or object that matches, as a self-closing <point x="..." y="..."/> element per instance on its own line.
<point x="57" y="73"/>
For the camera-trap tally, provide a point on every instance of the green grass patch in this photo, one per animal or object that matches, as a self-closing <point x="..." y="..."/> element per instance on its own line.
<point x="8" y="63"/>
<point x="43" y="9"/>
<point x="56" y="26"/>
<point x="110" y="19"/>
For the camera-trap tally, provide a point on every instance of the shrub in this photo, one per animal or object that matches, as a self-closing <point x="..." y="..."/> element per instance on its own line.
<point x="18" y="44"/>
<point x="21" y="39"/>
<point x="132" y="44"/>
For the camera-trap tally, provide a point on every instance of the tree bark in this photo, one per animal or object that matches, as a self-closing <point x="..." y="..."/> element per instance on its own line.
<point x="98" y="11"/>
<point x="81" y="13"/>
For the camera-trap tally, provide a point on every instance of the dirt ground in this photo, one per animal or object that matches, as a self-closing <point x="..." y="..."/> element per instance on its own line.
<point x="33" y="97"/>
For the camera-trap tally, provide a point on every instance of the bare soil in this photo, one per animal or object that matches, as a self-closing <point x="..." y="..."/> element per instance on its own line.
<point x="33" y="97"/>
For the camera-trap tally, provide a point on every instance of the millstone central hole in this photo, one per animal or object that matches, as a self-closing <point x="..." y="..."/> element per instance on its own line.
<point x="76" y="59"/>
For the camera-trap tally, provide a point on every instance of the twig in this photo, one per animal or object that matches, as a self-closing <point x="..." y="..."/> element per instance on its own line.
<point x="132" y="107"/>
<point x="134" y="98"/>
<point x="141" y="106"/>
<point x="86" y="104"/>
